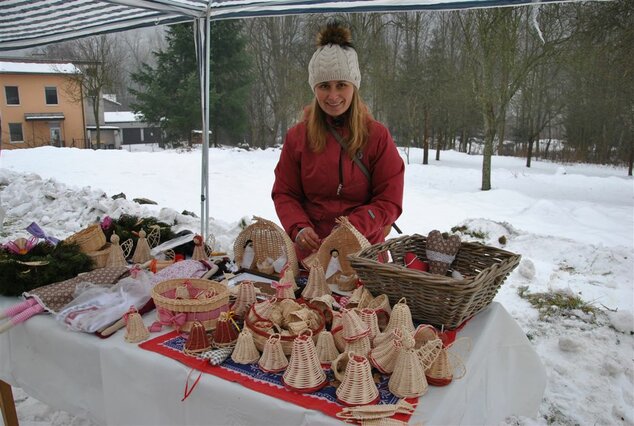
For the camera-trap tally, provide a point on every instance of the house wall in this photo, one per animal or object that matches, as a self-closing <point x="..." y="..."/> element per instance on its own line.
<point x="31" y="89"/>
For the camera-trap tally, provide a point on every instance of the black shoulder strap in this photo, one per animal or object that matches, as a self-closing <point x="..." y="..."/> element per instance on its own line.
<point x="345" y="148"/>
<point x="358" y="163"/>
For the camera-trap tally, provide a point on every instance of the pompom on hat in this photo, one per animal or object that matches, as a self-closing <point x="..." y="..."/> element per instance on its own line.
<point x="335" y="58"/>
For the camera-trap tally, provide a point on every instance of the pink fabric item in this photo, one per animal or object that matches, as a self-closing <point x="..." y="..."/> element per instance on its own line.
<point x="17" y="308"/>
<point x="26" y="314"/>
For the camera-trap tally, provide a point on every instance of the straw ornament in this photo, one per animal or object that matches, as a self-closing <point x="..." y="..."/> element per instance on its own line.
<point x="266" y="266"/>
<point x="383" y="357"/>
<point x="316" y="286"/>
<point x="441" y="370"/>
<point x="142" y="250"/>
<point x="381" y="304"/>
<point x="339" y="365"/>
<point x="369" y="317"/>
<point x="273" y="359"/>
<point x="353" y="326"/>
<point x="245" y="298"/>
<point x="337" y="331"/>
<point x="304" y="372"/>
<point x="386" y="421"/>
<point x="116" y="257"/>
<point x="408" y="378"/>
<point x="423" y="334"/>
<point x="283" y="290"/>
<point x="346" y="282"/>
<point x="199" y="252"/>
<point x="263" y="309"/>
<point x="135" y="329"/>
<point x="182" y="291"/>
<point x="197" y="340"/>
<point x="245" y="351"/>
<point x="365" y="413"/>
<point x="357" y="386"/>
<point x="429" y="352"/>
<point x="397" y="333"/>
<point x="324" y="304"/>
<point x="361" y="346"/>
<point x="401" y="316"/>
<point x="360" y="298"/>
<point x="227" y="330"/>
<point x="288" y="277"/>
<point x="326" y="349"/>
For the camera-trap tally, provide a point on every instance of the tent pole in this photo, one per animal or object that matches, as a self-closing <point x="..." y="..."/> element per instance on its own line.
<point x="203" y="41"/>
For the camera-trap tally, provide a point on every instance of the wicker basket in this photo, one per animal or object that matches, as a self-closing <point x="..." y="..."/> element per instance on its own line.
<point x="100" y="257"/>
<point x="436" y="299"/>
<point x="263" y="329"/>
<point x="268" y="242"/>
<point x="90" y="239"/>
<point x="206" y="310"/>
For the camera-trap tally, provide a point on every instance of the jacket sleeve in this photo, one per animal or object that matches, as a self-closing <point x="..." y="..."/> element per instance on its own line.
<point x="287" y="192"/>
<point x="387" y="171"/>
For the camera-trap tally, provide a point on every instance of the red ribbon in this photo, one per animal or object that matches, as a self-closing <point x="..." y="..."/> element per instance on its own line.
<point x="167" y="317"/>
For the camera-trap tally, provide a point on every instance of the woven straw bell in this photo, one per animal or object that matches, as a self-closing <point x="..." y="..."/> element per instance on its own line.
<point x="361" y="346"/>
<point x="135" y="329"/>
<point x="383" y="357"/>
<point x="316" y="286"/>
<point x="337" y="331"/>
<point x="304" y="373"/>
<point x="262" y="309"/>
<point x="339" y="364"/>
<point x="197" y="340"/>
<point x="353" y="326"/>
<point x="227" y="330"/>
<point x="245" y="298"/>
<point x="273" y="359"/>
<point x="357" y="386"/>
<point x="326" y="349"/>
<point x="369" y="317"/>
<point x="245" y="351"/>
<point x="401" y="316"/>
<point x="441" y="371"/>
<point x="381" y="305"/>
<point x="288" y="277"/>
<point x="408" y="378"/>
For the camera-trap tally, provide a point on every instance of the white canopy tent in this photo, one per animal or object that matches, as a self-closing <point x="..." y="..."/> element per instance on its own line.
<point x="29" y="23"/>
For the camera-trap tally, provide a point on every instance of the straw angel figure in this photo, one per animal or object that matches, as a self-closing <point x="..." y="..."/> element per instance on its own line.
<point x="142" y="250"/>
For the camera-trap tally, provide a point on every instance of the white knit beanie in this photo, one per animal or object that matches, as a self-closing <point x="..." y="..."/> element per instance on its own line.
<point x="334" y="59"/>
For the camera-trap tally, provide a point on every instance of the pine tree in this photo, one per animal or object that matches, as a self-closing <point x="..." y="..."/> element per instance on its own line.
<point x="170" y="92"/>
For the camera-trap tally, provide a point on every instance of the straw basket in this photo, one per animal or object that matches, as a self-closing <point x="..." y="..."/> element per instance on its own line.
<point x="436" y="299"/>
<point x="205" y="310"/>
<point x="269" y="241"/>
<point x="263" y="329"/>
<point x="100" y="257"/>
<point x="90" y="239"/>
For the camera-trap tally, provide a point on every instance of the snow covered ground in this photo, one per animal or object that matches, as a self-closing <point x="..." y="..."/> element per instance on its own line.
<point x="572" y="224"/>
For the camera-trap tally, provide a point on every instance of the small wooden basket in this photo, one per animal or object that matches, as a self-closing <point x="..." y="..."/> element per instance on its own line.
<point x="435" y="299"/>
<point x="89" y="239"/>
<point x="206" y="310"/>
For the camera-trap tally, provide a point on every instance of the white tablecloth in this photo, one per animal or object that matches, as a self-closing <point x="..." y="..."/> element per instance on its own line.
<point x="117" y="383"/>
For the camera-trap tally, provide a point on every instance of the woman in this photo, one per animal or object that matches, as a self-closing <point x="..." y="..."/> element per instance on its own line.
<point x="316" y="178"/>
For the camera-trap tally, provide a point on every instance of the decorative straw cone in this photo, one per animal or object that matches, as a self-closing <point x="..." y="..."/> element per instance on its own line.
<point x="440" y="371"/>
<point x="361" y="346"/>
<point x="385" y="336"/>
<point x="368" y="316"/>
<point x="245" y="351"/>
<point x="197" y="340"/>
<point x="135" y="329"/>
<point x="244" y="299"/>
<point x="353" y="326"/>
<point x="337" y="331"/>
<point x="263" y="309"/>
<point x="273" y="359"/>
<point x="408" y="378"/>
<point x="142" y="250"/>
<point x="360" y="295"/>
<point x="116" y="256"/>
<point x="289" y="278"/>
<point x="381" y="305"/>
<point x="408" y="338"/>
<point x="429" y="352"/>
<point x="227" y="330"/>
<point x="304" y="373"/>
<point x="316" y="286"/>
<point x="383" y="357"/>
<point x="199" y="248"/>
<point x="424" y="333"/>
<point x="401" y="316"/>
<point x="284" y="290"/>
<point x="357" y="386"/>
<point x="326" y="349"/>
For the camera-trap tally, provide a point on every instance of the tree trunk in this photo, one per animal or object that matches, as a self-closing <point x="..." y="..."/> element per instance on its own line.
<point x="529" y="152"/>
<point x="426" y="138"/>
<point x="489" y="131"/>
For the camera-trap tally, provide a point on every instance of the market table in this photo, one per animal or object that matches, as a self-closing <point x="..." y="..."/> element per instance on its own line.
<point x="113" y="382"/>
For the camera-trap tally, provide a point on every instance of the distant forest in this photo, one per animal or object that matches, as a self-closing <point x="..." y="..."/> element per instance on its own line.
<point x="550" y="81"/>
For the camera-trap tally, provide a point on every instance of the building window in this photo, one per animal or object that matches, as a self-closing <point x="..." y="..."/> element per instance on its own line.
<point x="51" y="95"/>
<point x="15" y="132"/>
<point x="12" y="95"/>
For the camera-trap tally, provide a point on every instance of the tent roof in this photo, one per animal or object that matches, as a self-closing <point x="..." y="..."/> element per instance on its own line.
<point x="29" y="23"/>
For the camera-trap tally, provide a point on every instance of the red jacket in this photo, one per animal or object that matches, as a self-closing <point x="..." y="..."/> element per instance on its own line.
<point x="305" y="188"/>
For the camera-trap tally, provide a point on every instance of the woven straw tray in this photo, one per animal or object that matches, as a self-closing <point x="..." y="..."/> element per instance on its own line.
<point x="439" y="300"/>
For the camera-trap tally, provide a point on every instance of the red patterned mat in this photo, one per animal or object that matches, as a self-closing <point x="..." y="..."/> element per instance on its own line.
<point x="252" y="377"/>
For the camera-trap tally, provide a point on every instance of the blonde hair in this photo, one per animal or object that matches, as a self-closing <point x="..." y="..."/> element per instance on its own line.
<point x="357" y="119"/>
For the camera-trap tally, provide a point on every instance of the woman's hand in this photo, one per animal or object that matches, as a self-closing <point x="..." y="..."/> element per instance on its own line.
<point x="307" y="239"/>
